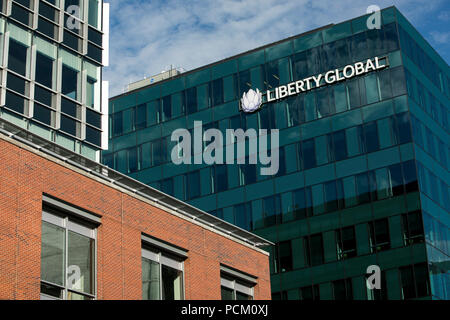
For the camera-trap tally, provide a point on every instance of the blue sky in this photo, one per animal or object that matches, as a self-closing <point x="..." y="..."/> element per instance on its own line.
<point x="147" y="36"/>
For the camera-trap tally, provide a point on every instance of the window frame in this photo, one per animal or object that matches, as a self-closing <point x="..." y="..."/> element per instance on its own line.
<point x="164" y="254"/>
<point x="82" y="223"/>
<point x="237" y="281"/>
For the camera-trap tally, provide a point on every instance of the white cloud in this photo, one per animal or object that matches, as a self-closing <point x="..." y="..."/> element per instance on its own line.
<point x="440" y="37"/>
<point x="146" y="36"/>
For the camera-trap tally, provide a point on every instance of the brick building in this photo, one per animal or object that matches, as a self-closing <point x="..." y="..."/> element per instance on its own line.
<point x="71" y="228"/>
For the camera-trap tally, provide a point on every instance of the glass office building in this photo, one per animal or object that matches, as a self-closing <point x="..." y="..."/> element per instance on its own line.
<point x="363" y="177"/>
<point x="51" y="58"/>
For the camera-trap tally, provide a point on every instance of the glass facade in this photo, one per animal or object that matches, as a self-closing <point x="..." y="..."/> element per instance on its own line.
<point x="363" y="176"/>
<point x="50" y="71"/>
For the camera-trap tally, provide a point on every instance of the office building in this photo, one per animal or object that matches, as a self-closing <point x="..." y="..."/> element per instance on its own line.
<point x="52" y="53"/>
<point x="363" y="120"/>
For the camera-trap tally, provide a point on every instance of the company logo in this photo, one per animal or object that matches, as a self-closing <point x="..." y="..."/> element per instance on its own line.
<point x="251" y="101"/>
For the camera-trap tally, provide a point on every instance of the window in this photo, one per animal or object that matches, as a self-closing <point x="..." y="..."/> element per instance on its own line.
<point x="283" y="257"/>
<point x="191" y="100"/>
<point x="162" y="270"/>
<point x="67" y="256"/>
<point x="410" y="176"/>
<point x="310" y="293"/>
<point x="379" y="235"/>
<point x="402" y="128"/>
<point x="308" y="154"/>
<point x="337" y="146"/>
<point x="17" y="59"/>
<point x="346" y="243"/>
<point x="334" y="195"/>
<point x="343" y="289"/>
<point x="415" y="281"/>
<point x="166" y="107"/>
<point x="378" y="294"/>
<point x="412" y="228"/>
<point x="302" y="203"/>
<point x="167" y="186"/>
<point x="366" y="187"/>
<point x="217" y="87"/>
<point x="220" y="178"/>
<point x="236" y="285"/>
<point x="242" y="216"/>
<point x="247" y="173"/>
<point x="272" y="210"/>
<point x="69" y="82"/>
<point x="368" y="137"/>
<point x="94" y="9"/>
<point x="44" y="70"/>
<point x="277" y="296"/>
<point x="193" y="185"/>
<point x="314" y="250"/>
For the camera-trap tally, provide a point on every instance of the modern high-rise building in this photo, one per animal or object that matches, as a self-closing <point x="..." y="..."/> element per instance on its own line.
<point x="363" y="179"/>
<point x="51" y="59"/>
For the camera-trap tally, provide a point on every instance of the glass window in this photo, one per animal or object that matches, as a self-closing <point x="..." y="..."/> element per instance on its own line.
<point x="20" y="14"/>
<point x="346" y="243"/>
<point x="364" y="187"/>
<point x="310" y="293"/>
<point x="283" y="257"/>
<point x="94" y="9"/>
<point x="314" y="250"/>
<point x="46" y="27"/>
<point x="337" y="146"/>
<point x="402" y="130"/>
<point x="308" y="154"/>
<point x="368" y="137"/>
<point x="141" y="116"/>
<point x="395" y="179"/>
<point x="221" y="178"/>
<point x="272" y="210"/>
<point x="325" y="102"/>
<point x="162" y="275"/>
<point x="70" y="126"/>
<point x="379" y="235"/>
<point x="233" y="288"/>
<point x="334" y="195"/>
<point x="415" y="281"/>
<point x="412" y="228"/>
<point x="247" y="173"/>
<point x="43" y="114"/>
<point x="69" y="82"/>
<point x="192" y="185"/>
<point x="17" y="84"/>
<point x="67" y="258"/>
<point x="343" y="289"/>
<point x="166" y="108"/>
<point x="117" y="123"/>
<point x="44" y="69"/>
<point x="191" y="100"/>
<point x="17" y="58"/>
<point x="242" y="216"/>
<point x="16" y="102"/>
<point x="410" y="176"/>
<point x="217" y="88"/>
<point x="302" y="203"/>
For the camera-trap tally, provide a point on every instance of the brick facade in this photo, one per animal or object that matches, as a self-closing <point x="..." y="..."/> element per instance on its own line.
<point x="26" y="174"/>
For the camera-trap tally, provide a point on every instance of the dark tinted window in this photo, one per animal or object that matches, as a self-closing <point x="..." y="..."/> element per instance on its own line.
<point x="44" y="70"/>
<point x="17" y="59"/>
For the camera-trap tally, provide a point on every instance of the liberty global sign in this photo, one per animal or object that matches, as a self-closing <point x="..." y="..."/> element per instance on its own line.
<point x="252" y="100"/>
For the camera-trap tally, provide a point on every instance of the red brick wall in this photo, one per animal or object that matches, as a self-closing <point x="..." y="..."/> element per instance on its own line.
<point x="25" y="176"/>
